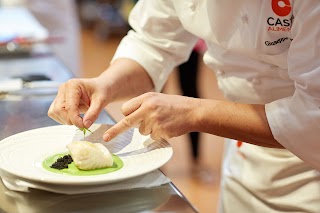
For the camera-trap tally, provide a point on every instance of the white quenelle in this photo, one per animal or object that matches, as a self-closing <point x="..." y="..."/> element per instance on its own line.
<point x="88" y="156"/>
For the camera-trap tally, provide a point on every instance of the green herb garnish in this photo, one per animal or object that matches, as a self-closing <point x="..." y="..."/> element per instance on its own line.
<point x="84" y="130"/>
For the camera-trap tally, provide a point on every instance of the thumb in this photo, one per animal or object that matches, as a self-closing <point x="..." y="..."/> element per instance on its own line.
<point x="93" y="112"/>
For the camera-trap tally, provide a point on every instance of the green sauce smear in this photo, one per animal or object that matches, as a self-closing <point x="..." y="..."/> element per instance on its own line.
<point x="73" y="170"/>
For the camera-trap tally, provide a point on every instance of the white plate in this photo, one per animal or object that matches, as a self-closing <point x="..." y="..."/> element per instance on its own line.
<point x="22" y="154"/>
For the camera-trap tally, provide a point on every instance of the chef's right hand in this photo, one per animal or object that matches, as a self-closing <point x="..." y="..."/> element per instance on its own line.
<point x="78" y="96"/>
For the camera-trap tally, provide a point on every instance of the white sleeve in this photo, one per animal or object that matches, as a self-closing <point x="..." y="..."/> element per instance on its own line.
<point x="158" y="42"/>
<point x="295" y="120"/>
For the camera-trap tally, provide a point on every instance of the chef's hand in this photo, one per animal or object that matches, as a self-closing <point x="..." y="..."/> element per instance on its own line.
<point x="78" y="96"/>
<point x="160" y="115"/>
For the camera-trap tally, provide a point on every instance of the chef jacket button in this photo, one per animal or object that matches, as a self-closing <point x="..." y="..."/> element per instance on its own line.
<point x="244" y="19"/>
<point x="220" y="72"/>
<point x="192" y="6"/>
<point x="255" y="81"/>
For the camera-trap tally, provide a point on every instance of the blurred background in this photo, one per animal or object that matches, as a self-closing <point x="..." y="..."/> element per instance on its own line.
<point x="84" y="34"/>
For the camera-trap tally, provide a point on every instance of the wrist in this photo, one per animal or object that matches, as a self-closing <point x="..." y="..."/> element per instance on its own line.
<point x="197" y="115"/>
<point x="113" y="80"/>
<point x="204" y="115"/>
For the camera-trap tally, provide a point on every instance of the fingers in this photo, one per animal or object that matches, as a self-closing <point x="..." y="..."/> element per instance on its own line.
<point x="133" y="117"/>
<point x="144" y="129"/>
<point x="68" y="104"/>
<point x="126" y="123"/>
<point x="52" y="115"/>
<point x="93" y="112"/>
<point x="72" y="101"/>
<point x="132" y="105"/>
<point x="57" y="109"/>
<point x="75" y="97"/>
<point x="136" y="113"/>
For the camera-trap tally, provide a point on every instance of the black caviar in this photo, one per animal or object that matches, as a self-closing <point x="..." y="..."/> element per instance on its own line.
<point x="62" y="163"/>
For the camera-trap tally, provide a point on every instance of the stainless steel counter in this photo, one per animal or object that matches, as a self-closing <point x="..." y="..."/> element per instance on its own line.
<point x="20" y="113"/>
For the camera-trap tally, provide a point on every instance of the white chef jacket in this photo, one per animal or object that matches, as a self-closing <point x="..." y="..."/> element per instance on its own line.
<point x="263" y="52"/>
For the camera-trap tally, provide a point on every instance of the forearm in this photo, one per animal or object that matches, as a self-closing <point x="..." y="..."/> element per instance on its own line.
<point x="125" y="79"/>
<point x="242" y="122"/>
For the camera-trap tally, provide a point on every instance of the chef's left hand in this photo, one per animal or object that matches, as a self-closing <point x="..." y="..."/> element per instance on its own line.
<point x="160" y="115"/>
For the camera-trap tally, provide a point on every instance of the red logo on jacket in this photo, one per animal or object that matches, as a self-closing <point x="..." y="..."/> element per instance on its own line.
<point x="280" y="22"/>
<point x="281" y="7"/>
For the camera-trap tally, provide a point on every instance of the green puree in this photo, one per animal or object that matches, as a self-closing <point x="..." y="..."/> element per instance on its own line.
<point x="73" y="170"/>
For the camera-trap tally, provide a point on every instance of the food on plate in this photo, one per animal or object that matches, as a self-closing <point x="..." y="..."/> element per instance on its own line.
<point x="84" y="130"/>
<point x="62" y="162"/>
<point x="88" y="156"/>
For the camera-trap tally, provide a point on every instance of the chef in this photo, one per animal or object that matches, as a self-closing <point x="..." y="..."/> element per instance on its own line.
<point x="266" y="56"/>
